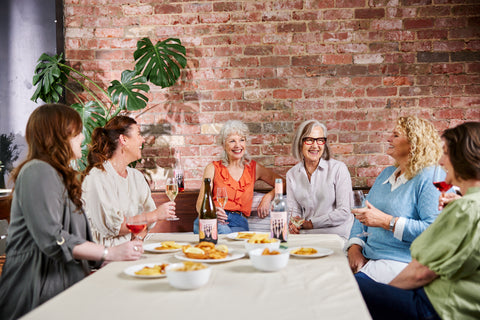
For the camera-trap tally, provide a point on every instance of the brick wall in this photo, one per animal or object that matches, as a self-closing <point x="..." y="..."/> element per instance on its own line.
<point x="356" y="65"/>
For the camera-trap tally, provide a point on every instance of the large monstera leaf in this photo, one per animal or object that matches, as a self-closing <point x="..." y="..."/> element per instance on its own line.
<point x="92" y="116"/>
<point x="160" y="63"/>
<point x="128" y="93"/>
<point x="50" y="78"/>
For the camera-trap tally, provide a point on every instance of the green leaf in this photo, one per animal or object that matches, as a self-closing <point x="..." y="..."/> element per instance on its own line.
<point x="49" y="77"/>
<point x="128" y="93"/>
<point x="160" y="63"/>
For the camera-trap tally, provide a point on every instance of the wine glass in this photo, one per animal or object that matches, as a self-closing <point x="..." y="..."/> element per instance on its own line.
<point x="137" y="225"/>
<point x="296" y="218"/>
<point x="359" y="203"/>
<point x="438" y="180"/>
<point x="171" y="190"/>
<point x="222" y="197"/>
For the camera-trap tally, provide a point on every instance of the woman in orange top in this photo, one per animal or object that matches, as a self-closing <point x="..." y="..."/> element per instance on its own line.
<point x="237" y="173"/>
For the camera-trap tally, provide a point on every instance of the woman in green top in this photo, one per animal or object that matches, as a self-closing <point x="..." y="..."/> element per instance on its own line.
<point x="443" y="279"/>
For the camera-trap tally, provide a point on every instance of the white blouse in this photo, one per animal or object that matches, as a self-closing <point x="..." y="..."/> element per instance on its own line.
<point x="109" y="198"/>
<point x="325" y="200"/>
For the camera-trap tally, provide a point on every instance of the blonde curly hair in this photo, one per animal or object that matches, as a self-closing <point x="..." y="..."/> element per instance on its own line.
<point x="425" y="144"/>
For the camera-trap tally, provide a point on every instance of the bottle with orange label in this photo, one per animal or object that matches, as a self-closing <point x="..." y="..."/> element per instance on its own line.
<point x="208" y="227"/>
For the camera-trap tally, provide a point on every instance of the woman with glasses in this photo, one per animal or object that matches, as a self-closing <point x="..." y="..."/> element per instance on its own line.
<point x="318" y="187"/>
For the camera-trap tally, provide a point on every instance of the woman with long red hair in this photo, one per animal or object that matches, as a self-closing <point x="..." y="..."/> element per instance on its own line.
<point x="49" y="245"/>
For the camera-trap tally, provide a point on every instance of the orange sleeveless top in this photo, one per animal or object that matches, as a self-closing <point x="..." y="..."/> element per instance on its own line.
<point x="240" y="193"/>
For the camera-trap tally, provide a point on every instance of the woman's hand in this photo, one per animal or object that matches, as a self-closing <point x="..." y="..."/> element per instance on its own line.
<point x="356" y="259"/>
<point x="131" y="250"/>
<point x="446" y="198"/>
<point x="372" y="217"/>
<point x="221" y="216"/>
<point x="263" y="209"/>
<point x="293" y="229"/>
<point x="166" y="210"/>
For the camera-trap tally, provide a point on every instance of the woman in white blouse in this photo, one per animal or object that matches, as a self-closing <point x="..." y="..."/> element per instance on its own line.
<point x="112" y="190"/>
<point x="318" y="188"/>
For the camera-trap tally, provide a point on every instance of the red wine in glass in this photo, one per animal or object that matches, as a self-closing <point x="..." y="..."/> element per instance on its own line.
<point x="438" y="182"/>
<point x="442" y="186"/>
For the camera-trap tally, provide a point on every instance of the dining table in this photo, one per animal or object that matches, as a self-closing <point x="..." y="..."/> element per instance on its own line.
<point x="320" y="287"/>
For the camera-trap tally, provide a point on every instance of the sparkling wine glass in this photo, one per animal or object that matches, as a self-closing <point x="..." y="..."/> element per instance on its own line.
<point x="222" y="197"/>
<point x="137" y="225"/>
<point x="171" y="190"/>
<point x="359" y="203"/>
<point x="438" y="180"/>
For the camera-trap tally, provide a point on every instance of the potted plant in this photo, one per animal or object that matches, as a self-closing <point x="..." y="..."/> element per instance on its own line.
<point x="159" y="64"/>
<point x="8" y="155"/>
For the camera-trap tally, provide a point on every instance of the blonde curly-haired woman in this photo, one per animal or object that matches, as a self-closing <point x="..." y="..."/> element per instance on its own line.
<point x="401" y="204"/>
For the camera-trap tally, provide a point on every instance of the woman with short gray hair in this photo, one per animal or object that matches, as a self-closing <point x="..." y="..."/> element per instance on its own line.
<point x="318" y="188"/>
<point x="237" y="173"/>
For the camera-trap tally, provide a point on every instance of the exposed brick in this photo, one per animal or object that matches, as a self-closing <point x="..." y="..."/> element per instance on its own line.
<point x="447" y="68"/>
<point x="371" y="13"/>
<point x="292" y="27"/>
<point x="379" y="92"/>
<point x="432" y="56"/>
<point x="465" y="56"/>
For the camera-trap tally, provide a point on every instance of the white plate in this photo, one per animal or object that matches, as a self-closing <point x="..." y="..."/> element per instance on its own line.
<point x="132" y="269"/>
<point x="150" y="247"/>
<point x="234" y="235"/>
<point x="321" y="252"/>
<point x="5" y="191"/>
<point x="231" y="256"/>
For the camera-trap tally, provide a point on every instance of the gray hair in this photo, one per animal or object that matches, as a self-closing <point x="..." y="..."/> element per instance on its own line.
<point x="304" y="130"/>
<point x="232" y="127"/>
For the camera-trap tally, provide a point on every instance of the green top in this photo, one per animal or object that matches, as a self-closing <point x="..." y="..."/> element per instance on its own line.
<point x="451" y="248"/>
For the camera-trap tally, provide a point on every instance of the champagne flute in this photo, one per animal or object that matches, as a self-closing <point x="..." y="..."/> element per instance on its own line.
<point x="359" y="203"/>
<point x="137" y="225"/>
<point x="171" y="190"/>
<point x="222" y="197"/>
<point x="438" y="180"/>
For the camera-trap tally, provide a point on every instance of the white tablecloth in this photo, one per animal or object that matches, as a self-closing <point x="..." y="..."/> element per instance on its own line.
<point x="322" y="288"/>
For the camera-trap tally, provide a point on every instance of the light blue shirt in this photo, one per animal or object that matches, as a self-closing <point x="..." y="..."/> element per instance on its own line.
<point x="416" y="201"/>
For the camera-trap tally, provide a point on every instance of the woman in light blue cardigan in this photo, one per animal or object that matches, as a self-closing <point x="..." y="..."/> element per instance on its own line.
<point x="401" y="204"/>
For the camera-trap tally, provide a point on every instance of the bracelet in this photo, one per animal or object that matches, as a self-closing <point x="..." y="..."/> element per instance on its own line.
<point x="104" y="256"/>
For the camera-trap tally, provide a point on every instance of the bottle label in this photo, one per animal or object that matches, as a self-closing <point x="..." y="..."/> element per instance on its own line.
<point x="179" y="177"/>
<point x="208" y="230"/>
<point x="279" y="225"/>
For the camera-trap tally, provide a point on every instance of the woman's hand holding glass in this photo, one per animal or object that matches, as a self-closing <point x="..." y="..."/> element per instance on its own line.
<point x="171" y="190"/>
<point x="296" y="222"/>
<point x="166" y="211"/>
<point x="222" y="199"/>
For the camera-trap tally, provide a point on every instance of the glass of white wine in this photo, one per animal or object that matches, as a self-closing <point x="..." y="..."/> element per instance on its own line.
<point x="222" y="197"/>
<point x="359" y="203"/>
<point x="171" y="190"/>
<point x="296" y="218"/>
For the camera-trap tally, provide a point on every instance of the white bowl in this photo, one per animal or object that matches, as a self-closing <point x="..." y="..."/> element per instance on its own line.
<point x="253" y="246"/>
<point x="187" y="280"/>
<point x="269" y="262"/>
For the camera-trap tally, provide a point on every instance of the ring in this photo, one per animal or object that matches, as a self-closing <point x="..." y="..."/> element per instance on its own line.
<point x="135" y="248"/>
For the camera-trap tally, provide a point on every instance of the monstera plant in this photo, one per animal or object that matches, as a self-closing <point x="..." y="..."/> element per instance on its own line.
<point x="159" y="64"/>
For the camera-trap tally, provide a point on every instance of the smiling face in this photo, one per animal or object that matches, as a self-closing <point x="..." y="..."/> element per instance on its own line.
<point x="76" y="145"/>
<point x="312" y="153"/>
<point x="399" y="148"/>
<point x="134" y="143"/>
<point x="235" y="147"/>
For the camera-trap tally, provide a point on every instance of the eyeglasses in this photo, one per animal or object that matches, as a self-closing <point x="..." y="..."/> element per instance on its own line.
<point x="309" y="141"/>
